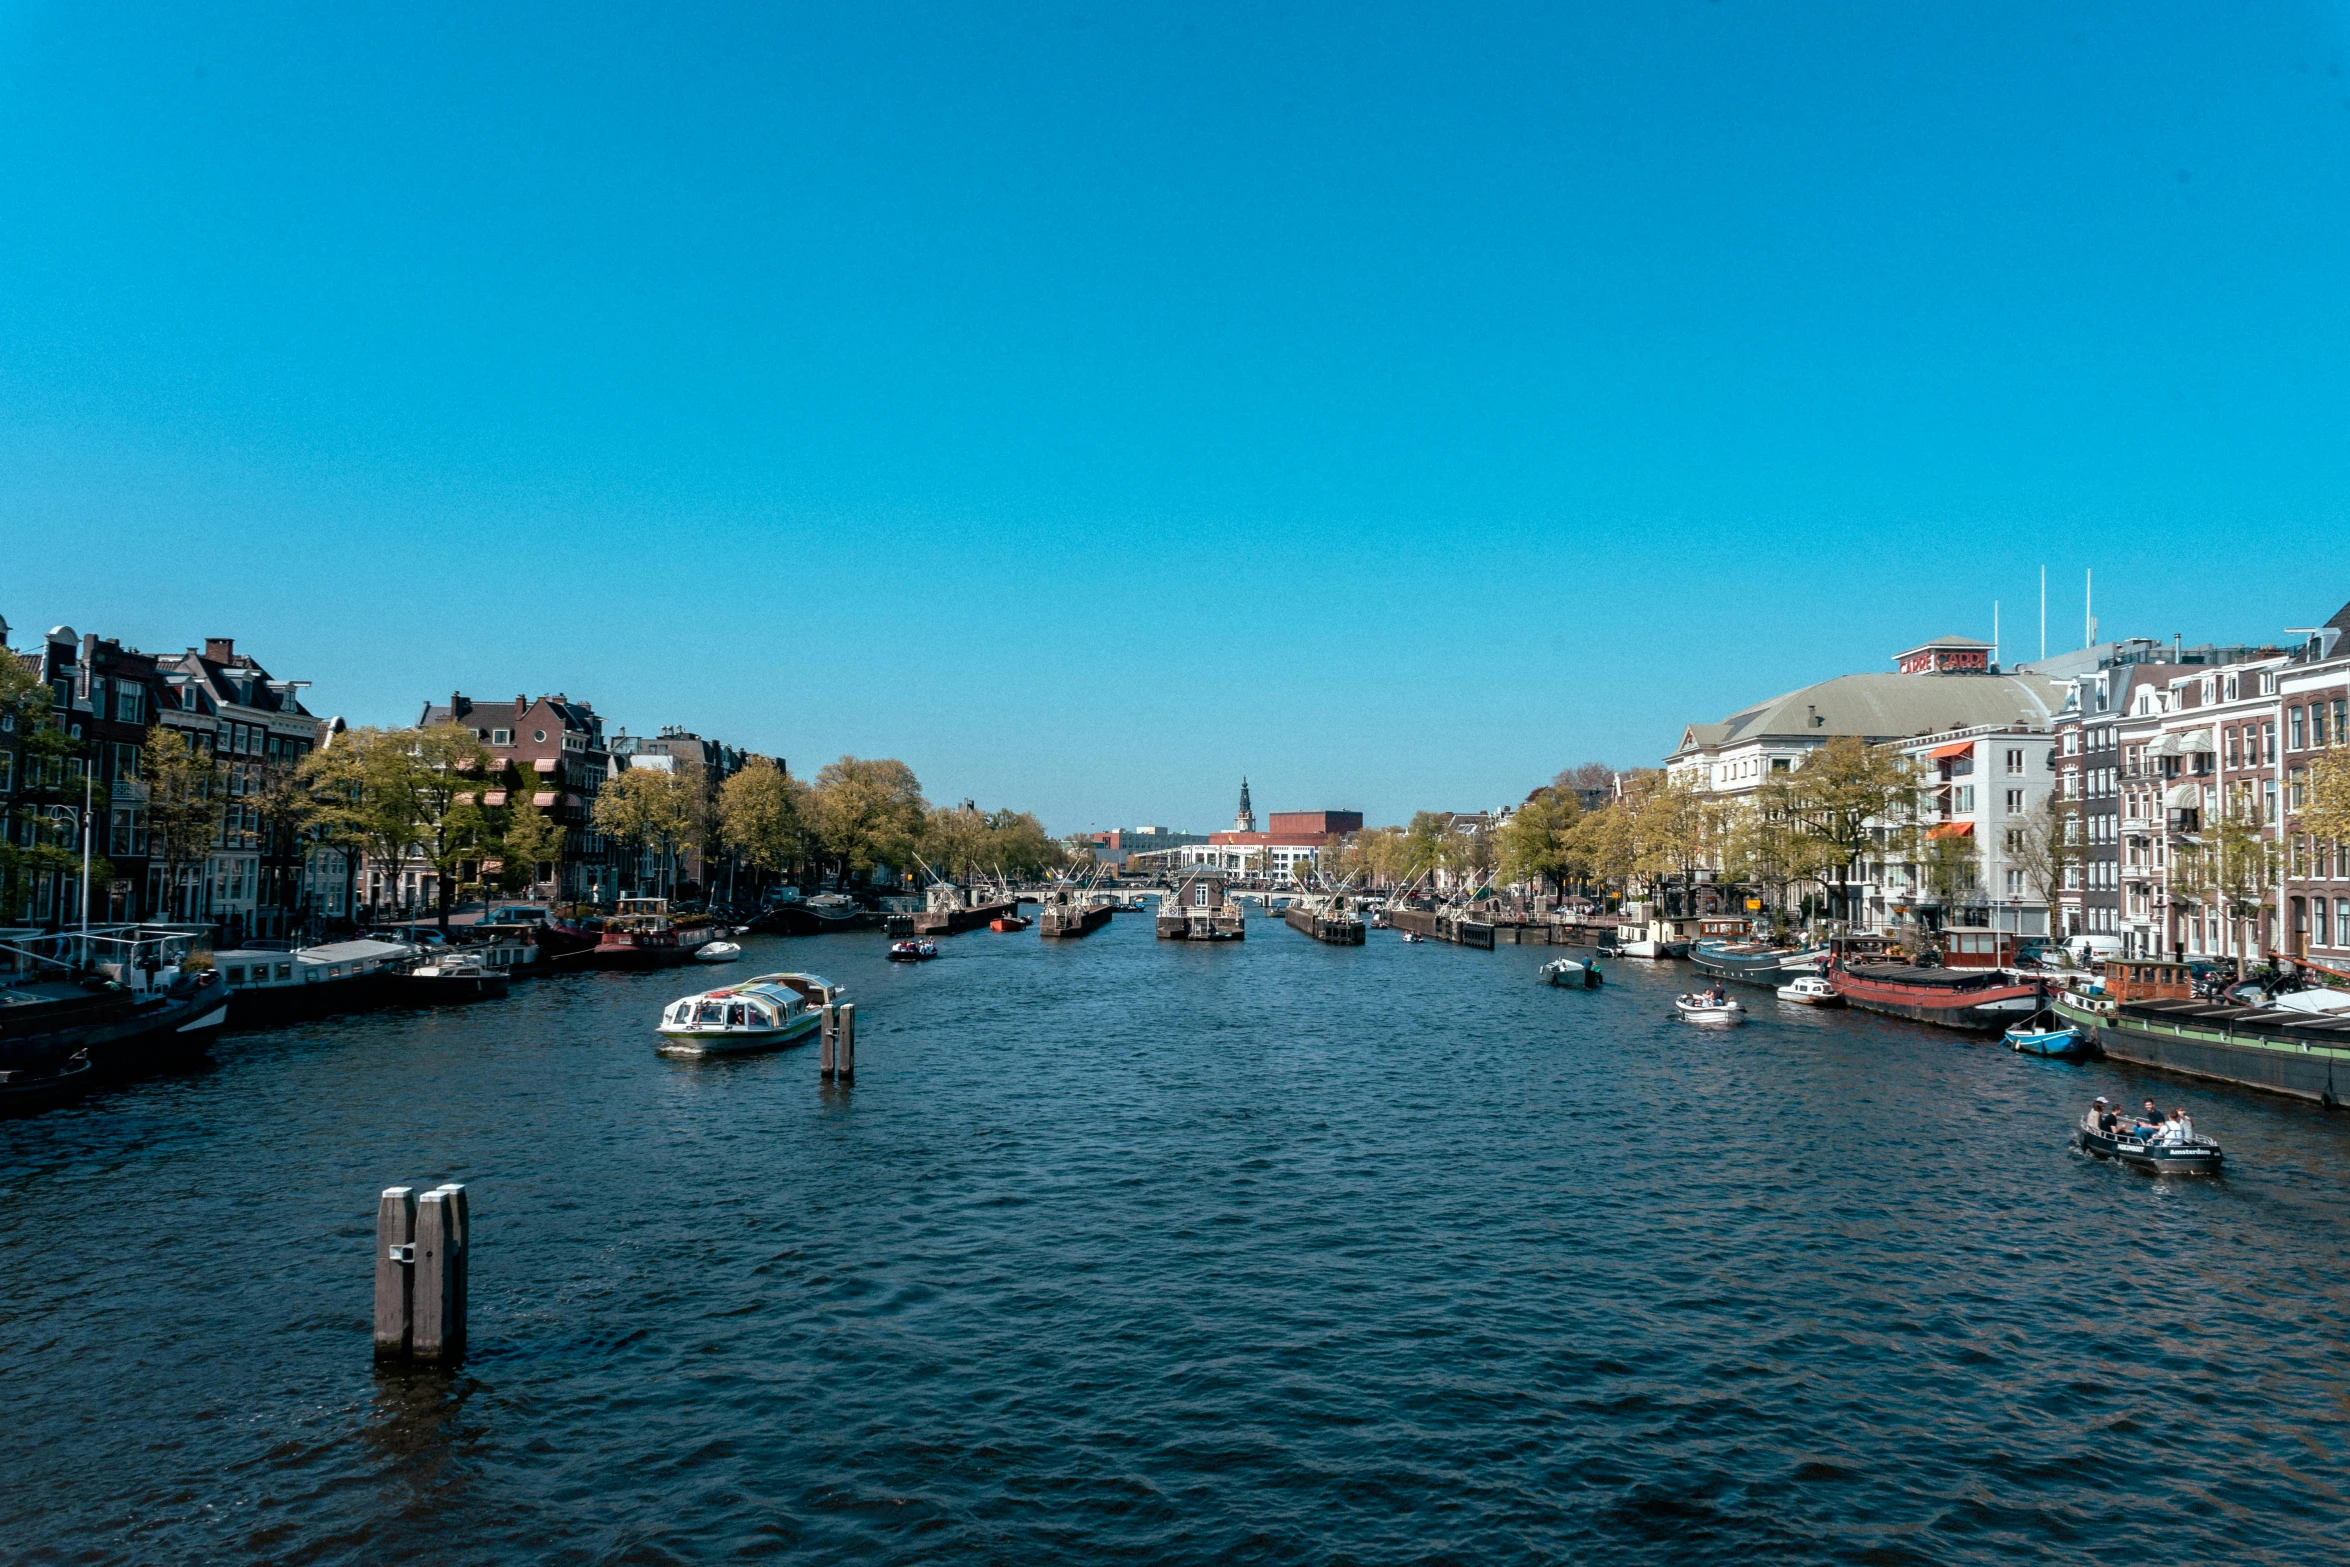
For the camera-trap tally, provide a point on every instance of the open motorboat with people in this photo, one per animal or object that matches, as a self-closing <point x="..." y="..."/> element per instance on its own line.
<point x="1709" y="1006"/>
<point x="912" y="951"/>
<point x="2169" y="1146"/>
<point x="718" y="952"/>
<point x="1413" y="937"/>
<point x="1572" y="973"/>
<point x="765" y="1013"/>
<point x="1811" y="991"/>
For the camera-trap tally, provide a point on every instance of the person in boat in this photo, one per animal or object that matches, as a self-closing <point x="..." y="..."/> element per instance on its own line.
<point x="2102" y="1116"/>
<point x="2178" y="1131"/>
<point x="2149" y="1122"/>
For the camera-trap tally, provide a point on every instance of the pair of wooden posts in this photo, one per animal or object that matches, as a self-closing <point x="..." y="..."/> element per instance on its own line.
<point x="421" y="1244"/>
<point x="839" y="1059"/>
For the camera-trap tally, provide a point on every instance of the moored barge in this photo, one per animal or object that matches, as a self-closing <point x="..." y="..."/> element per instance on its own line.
<point x="1983" y="1001"/>
<point x="1331" y="921"/>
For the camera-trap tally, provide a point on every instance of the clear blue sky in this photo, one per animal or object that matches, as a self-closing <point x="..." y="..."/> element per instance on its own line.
<point x="1091" y="404"/>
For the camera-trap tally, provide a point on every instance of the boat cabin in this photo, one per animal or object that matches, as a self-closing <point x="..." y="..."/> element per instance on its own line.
<point x="1722" y="928"/>
<point x="249" y="969"/>
<point x="1966" y="946"/>
<point x="2148" y="979"/>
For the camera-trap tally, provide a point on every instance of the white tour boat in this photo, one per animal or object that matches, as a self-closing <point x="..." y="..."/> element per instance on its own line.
<point x="717" y="952"/>
<point x="766" y="1013"/>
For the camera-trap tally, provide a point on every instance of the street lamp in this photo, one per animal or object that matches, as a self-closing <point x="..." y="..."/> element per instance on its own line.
<point x="81" y="817"/>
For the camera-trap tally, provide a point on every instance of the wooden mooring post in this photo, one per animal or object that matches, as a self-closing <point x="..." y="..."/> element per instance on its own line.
<point x="422" y="1246"/>
<point x="828" y="1028"/>
<point x="844" y="1065"/>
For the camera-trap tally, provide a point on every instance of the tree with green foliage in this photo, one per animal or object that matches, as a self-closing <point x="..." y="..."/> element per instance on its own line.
<point x="185" y="808"/>
<point x="652" y="809"/>
<point x="528" y="840"/>
<point x="868" y="812"/>
<point x="763" y="817"/>
<point x="43" y="758"/>
<point x="1847" y="798"/>
<point x="1536" y="844"/>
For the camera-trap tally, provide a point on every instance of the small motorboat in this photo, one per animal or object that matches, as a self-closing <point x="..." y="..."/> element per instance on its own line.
<point x="912" y="951"/>
<point x="2061" y="1041"/>
<point x="454" y="977"/>
<point x="1571" y="973"/>
<point x="766" y="1013"/>
<point x="2156" y="1155"/>
<point x="27" y="1089"/>
<point x="1706" y="1007"/>
<point x="1413" y="936"/>
<point x="717" y="952"/>
<point x="1812" y="991"/>
<point x="1006" y="923"/>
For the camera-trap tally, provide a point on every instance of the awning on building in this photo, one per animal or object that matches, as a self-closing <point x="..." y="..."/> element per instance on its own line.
<point x="494" y="797"/>
<point x="466" y="798"/>
<point x="2182" y="797"/>
<point x="1944" y="753"/>
<point x="1952" y="830"/>
<point x="2186" y="742"/>
<point x="543" y="797"/>
<point x="545" y="764"/>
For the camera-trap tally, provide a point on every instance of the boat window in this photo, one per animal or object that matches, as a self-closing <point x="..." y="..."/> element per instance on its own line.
<point x="236" y="976"/>
<point x="285" y="971"/>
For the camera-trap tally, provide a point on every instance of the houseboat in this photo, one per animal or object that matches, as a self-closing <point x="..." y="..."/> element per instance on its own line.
<point x="341" y="976"/>
<point x="643" y="935"/>
<point x="1199" y="908"/>
<point x="1977" y="1000"/>
<point x="950" y="910"/>
<point x="1655" y="938"/>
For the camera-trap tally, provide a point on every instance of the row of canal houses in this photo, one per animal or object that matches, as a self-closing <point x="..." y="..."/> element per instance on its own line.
<point x="2153" y="743"/>
<point x="263" y="881"/>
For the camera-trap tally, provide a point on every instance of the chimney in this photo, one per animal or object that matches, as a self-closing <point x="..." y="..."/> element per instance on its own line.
<point x="220" y="649"/>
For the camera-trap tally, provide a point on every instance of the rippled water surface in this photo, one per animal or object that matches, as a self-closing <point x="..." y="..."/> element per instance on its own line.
<point x="1122" y="1251"/>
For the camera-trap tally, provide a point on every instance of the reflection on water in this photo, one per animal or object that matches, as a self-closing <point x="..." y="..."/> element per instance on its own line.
<point x="1119" y="1250"/>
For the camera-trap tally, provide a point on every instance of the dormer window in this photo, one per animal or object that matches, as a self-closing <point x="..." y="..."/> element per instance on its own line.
<point x="501" y="737"/>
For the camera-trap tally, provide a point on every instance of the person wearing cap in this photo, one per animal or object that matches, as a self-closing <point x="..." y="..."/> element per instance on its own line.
<point x="2107" y="1122"/>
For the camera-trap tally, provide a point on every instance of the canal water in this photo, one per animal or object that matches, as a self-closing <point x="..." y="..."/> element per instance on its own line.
<point x="1129" y="1251"/>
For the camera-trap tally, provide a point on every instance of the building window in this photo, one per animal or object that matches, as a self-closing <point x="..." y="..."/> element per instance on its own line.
<point x="501" y="737"/>
<point x="2015" y="801"/>
<point x="2294" y="733"/>
<point x="2015" y="763"/>
<point x="540" y="735"/>
<point x="2268" y="743"/>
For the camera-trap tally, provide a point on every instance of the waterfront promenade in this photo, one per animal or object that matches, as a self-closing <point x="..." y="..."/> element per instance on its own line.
<point x="1266" y="1251"/>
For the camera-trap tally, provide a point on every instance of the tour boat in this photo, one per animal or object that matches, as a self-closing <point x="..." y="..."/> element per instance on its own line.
<point x="717" y="952"/>
<point x="765" y="1013"/>
<point x="1811" y="991"/>
<point x="2194" y="1156"/>
<point x="1571" y="973"/>
<point x="912" y="951"/>
<point x="1705" y="1008"/>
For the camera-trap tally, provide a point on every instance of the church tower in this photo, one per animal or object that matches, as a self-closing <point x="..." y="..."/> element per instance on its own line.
<point x="1246" y="820"/>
